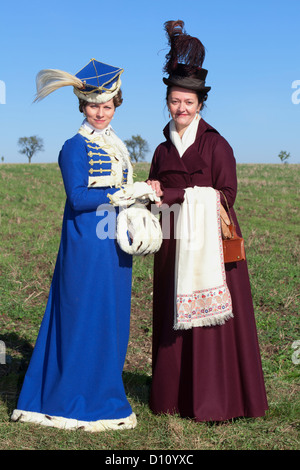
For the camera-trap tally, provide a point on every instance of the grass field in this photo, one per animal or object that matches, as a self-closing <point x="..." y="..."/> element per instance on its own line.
<point x="32" y="201"/>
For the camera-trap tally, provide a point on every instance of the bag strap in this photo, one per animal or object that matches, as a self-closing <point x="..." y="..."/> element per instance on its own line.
<point x="229" y="213"/>
<point x="227" y="207"/>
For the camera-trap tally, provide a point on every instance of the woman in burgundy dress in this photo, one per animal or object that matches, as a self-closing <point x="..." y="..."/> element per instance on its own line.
<point x="207" y="373"/>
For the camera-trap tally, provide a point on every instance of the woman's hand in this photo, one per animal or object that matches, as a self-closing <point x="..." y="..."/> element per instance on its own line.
<point x="155" y="185"/>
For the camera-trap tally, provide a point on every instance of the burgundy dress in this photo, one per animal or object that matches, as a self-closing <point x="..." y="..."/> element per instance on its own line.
<point x="205" y="373"/>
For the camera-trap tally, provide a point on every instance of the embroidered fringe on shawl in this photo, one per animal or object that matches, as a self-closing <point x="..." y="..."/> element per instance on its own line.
<point x="202" y="295"/>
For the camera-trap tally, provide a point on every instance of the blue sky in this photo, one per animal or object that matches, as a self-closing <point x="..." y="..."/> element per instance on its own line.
<point x="252" y="57"/>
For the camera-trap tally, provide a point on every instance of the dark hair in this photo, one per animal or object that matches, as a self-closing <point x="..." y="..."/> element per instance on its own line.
<point x="202" y="97"/>
<point x="117" y="99"/>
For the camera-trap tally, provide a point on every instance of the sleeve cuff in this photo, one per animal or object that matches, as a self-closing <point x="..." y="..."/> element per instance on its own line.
<point x="173" y="196"/>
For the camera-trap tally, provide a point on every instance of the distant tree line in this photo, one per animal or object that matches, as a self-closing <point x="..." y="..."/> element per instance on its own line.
<point x="137" y="147"/>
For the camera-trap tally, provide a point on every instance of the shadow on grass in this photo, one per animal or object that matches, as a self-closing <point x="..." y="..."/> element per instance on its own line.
<point x="137" y="386"/>
<point x="12" y="373"/>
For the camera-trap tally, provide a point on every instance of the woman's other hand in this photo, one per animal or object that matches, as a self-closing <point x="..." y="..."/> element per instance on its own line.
<point x="155" y="185"/>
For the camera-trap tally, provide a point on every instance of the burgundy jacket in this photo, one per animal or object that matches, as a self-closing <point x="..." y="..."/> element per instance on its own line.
<point x="209" y="161"/>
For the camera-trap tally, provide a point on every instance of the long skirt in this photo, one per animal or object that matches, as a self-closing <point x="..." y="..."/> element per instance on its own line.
<point x="205" y="373"/>
<point x="74" y="378"/>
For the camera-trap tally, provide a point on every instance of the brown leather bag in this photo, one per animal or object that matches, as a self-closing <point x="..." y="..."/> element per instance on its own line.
<point x="234" y="247"/>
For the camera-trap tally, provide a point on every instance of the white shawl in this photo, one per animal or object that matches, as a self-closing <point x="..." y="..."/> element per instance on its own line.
<point x="202" y="297"/>
<point x="201" y="294"/>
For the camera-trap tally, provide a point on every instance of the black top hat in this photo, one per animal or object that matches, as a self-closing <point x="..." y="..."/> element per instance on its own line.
<point x="192" y="81"/>
<point x="184" y="60"/>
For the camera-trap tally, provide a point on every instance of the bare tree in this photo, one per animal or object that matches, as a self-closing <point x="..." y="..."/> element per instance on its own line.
<point x="30" y="146"/>
<point x="284" y="156"/>
<point x="137" y="148"/>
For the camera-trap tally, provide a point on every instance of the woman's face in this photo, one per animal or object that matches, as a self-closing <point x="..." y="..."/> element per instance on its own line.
<point x="99" y="115"/>
<point x="183" y="105"/>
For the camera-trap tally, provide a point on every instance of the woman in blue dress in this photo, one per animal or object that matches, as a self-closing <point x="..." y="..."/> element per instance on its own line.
<point x="74" y="379"/>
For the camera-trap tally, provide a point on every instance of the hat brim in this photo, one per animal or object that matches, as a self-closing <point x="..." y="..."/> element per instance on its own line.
<point x="96" y="97"/>
<point x="188" y="83"/>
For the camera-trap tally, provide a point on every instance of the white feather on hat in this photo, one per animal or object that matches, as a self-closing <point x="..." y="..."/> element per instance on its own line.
<point x="49" y="80"/>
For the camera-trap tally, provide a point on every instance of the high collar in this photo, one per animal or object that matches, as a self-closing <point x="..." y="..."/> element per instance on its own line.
<point x="188" y="138"/>
<point x="202" y="127"/>
<point x="93" y="130"/>
<point x="192" y="159"/>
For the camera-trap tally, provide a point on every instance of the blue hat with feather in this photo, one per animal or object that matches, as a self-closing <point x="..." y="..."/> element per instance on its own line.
<point x="96" y="82"/>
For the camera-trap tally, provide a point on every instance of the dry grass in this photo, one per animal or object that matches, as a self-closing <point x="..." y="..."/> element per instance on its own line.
<point x="268" y="209"/>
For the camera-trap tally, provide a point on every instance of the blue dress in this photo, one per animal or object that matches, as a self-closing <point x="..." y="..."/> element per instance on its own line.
<point x="76" y="368"/>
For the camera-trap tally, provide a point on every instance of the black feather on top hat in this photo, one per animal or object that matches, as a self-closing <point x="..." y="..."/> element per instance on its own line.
<point x="184" y="60"/>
